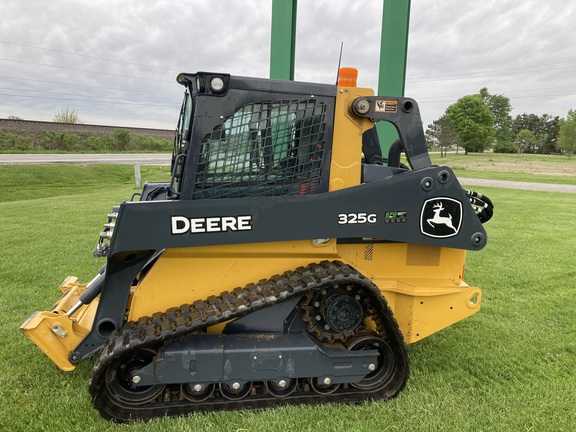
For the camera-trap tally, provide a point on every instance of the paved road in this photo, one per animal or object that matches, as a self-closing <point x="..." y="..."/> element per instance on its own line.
<point x="545" y="187"/>
<point x="164" y="159"/>
<point x="118" y="158"/>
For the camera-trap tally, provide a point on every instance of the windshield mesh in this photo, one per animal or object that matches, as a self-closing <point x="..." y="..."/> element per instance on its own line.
<point x="264" y="149"/>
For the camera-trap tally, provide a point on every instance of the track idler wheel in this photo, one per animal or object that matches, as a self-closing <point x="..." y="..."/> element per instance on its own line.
<point x="121" y="379"/>
<point x="382" y="371"/>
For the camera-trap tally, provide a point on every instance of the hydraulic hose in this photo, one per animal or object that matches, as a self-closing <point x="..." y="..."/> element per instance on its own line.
<point x="394" y="153"/>
<point x="482" y="205"/>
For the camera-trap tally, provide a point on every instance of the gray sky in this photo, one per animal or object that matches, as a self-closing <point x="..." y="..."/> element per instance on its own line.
<point x="116" y="62"/>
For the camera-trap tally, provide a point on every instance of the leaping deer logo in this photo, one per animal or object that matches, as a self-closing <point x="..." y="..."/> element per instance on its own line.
<point x="440" y="220"/>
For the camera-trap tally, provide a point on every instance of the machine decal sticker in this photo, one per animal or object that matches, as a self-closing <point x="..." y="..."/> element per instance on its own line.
<point x="356" y="218"/>
<point x="386" y="106"/>
<point x="441" y="217"/>
<point x="183" y="224"/>
<point x="395" y="217"/>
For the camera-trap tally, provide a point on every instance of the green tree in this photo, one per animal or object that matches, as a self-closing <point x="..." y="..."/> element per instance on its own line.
<point x="501" y="108"/>
<point x="550" y="133"/>
<point x="66" y="115"/>
<point x="525" y="140"/>
<point x="526" y="121"/>
<point x="567" y="139"/>
<point x="442" y="134"/>
<point x="473" y="121"/>
<point x="545" y="128"/>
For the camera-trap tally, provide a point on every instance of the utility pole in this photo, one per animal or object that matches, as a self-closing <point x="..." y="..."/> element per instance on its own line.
<point x="283" y="44"/>
<point x="393" y="53"/>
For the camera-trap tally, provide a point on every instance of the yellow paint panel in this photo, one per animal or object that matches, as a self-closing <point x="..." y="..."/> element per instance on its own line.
<point x="183" y="275"/>
<point x="420" y="316"/>
<point x="346" y="164"/>
<point x="422" y="284"/>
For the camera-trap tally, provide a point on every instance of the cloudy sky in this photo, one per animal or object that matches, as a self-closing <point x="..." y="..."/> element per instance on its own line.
<point x="116" y="62"/>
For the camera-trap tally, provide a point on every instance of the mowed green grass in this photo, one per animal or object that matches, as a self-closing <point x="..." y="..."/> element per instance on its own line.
<point x="510" y="367"/>
<point x="556" y="169"/>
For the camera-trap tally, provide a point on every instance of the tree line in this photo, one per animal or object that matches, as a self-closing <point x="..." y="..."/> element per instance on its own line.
<point x="483" y="121"/>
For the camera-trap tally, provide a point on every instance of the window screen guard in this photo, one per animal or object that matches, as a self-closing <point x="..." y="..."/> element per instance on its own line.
<point x="265" y="149"/>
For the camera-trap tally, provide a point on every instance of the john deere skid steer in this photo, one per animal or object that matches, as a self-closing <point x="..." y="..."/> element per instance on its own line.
<point x="286" y="261"/>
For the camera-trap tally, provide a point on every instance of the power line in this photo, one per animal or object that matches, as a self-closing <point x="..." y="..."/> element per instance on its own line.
<point x="67" y="94"/>
<point x="76" y="98"/>
<point x="83" y="99"/>
<point x="89" y="56"/>
<point x="541" y="88"/>
<point x="87" y="86"/>
<point x="506" y="93"/>
<point x="421" y="102"/>
<point x="84" y="70"/>
<point x="541" y="96"/>
<point x="89" y="101"/>
<point x="494" y="72"/>
<point x="487" y="73"/>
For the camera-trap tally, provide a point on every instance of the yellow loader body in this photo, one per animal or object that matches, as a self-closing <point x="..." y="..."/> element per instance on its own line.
<point x="422" y="284"/>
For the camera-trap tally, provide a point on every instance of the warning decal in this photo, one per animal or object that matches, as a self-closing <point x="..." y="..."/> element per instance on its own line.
<point x="386" y="106"/>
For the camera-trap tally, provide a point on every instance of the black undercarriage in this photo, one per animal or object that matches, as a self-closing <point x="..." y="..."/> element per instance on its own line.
<point x="334" y="340"/>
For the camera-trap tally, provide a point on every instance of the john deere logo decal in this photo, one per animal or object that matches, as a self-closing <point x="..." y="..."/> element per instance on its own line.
<point x="441" y="217"/>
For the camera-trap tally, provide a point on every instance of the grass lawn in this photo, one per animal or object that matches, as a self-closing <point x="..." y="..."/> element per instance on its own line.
<point x="508" y="368"/>
<point x="554" y="169"/>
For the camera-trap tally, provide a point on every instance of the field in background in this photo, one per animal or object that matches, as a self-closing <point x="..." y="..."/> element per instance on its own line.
<point x="29" y="182"/>
<point x="500" y="166"/>
<point x="509" y="367"/>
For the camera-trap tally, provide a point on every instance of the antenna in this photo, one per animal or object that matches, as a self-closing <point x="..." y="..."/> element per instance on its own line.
<point x="339" y="62"/>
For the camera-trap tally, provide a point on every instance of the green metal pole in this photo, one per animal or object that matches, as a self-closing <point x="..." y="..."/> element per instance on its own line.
<point x="283" y="42"/>
<point x="393" y="51"/>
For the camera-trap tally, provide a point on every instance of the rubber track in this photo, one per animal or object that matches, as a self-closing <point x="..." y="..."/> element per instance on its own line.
<point x="161" y="327"/>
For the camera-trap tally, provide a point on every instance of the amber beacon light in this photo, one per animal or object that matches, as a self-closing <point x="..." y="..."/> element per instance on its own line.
<point x="347" y="77"/>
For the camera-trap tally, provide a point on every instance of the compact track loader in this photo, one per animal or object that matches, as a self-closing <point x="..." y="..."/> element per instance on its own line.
<point x="285" y="262"/>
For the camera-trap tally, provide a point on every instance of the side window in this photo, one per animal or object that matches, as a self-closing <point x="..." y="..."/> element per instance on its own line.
<point x="180" y="142"/>
<point x="268" y="148"/>
<point x="187" y="113"/>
